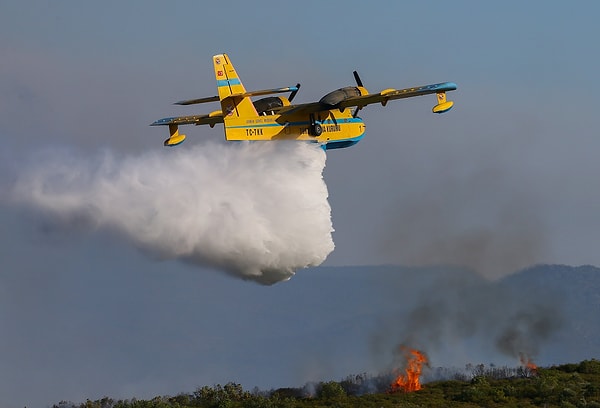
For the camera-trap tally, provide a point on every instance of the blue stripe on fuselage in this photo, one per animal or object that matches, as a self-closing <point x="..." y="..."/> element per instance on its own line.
<point x="303" y="123"/>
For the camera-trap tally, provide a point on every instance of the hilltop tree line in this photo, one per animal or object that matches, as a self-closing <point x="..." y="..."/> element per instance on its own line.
<point x="568" y="385"/>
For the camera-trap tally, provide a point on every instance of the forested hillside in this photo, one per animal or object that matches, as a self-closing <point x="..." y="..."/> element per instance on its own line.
<point x="568" y="385"/>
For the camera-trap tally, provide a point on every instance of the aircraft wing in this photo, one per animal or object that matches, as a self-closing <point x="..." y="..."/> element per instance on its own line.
<point x="382" y="97"/>
<point x="390" y="94"/>
<point x="199" y="100"/>
<point x="209" y="119"/>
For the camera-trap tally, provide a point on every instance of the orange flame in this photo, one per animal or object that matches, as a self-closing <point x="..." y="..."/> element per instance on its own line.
<point x="527" y="363"/>
<point x="409" y="381"/>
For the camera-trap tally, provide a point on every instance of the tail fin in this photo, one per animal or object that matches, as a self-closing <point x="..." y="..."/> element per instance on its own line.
<point x="233" y="104"/>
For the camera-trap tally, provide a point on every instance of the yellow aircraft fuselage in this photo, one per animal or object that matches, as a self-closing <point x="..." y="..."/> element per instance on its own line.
<point x="338" y="129"/>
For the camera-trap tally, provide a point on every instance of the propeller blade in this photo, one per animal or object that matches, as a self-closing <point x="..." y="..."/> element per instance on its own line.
<point x="357" y="79"/>
<point x="293" y="94"/>
<point x="358" y="83"/>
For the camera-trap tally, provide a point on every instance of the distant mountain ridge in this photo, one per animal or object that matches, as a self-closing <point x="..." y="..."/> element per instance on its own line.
<point x="560" y="303"/>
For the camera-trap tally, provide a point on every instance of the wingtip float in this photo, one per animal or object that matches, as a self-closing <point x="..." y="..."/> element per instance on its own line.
<point x="332" y="122"/>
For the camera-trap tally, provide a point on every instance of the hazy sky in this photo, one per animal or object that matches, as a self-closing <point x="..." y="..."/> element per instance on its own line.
<point x="506" y="179"/>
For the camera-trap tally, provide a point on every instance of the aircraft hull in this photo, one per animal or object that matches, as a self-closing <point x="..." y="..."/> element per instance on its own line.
<point x="338" y="129"/>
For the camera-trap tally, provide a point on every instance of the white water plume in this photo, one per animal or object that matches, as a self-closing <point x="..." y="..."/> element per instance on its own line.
<point x="256" y="211"/>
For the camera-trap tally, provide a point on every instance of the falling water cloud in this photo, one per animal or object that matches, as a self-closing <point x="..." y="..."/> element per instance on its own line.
<point x="255" y="211"/>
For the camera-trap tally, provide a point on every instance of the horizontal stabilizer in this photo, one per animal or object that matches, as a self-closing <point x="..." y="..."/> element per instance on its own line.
<point x="268" y="91"/>
<point x="195" y="101"/>
<point x="239" y="95"/>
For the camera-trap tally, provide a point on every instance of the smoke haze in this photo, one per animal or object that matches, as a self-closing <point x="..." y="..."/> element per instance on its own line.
<point x="256" y="211"/>
<point x="451" y="312"/>
<point x="486" y="221"/>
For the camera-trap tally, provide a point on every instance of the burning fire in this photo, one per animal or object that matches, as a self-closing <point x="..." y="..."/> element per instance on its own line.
<point x="527" y="363"/>
<point x="409" y="381"/>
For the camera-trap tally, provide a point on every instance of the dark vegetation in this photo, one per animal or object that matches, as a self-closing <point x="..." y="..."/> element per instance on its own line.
<point x="568" y="385"/>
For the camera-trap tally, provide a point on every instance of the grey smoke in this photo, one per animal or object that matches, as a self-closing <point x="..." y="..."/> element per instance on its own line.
<point x="526" y="329"/>
<point x="256" y="211"/>
<point x="460" y="313"/>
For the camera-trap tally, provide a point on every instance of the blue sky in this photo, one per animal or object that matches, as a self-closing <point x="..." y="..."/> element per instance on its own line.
<point x="507" y="179"/>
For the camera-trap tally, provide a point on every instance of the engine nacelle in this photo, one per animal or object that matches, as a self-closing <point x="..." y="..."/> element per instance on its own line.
<point x="335" y="97"/>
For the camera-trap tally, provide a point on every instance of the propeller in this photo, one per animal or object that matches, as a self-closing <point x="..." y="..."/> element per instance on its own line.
<point x="293" y="94"/>
<point x="358" y="83"/>
<point x="357" y="79"/>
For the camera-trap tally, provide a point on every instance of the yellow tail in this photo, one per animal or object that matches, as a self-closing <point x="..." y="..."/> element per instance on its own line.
<point x="231" y="90"/>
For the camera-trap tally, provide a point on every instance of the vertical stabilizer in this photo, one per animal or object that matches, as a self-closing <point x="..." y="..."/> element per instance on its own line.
<point x="229" y="85"/>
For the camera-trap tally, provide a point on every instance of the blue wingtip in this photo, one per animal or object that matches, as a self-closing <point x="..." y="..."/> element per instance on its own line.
<point x="451" y="86"/>
<point x="163" y="121"/>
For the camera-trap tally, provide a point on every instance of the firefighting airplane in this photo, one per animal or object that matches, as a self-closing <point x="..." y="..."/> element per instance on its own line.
<point x="332" y="121"/>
